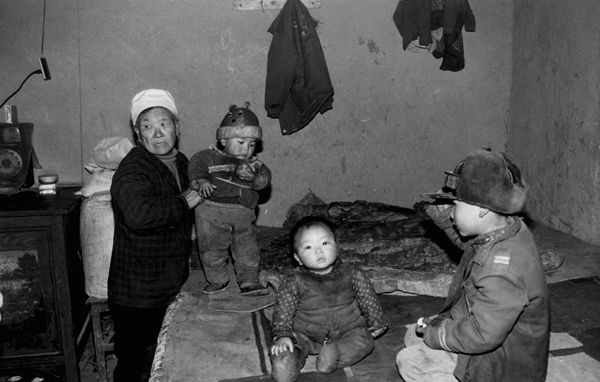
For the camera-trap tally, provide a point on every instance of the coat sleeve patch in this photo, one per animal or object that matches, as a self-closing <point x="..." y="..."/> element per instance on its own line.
<point x="499" y="259"/>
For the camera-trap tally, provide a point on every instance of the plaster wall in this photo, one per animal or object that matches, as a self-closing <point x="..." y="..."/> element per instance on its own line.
<point x="397" y="121"/>
<point x="555" y="112"/>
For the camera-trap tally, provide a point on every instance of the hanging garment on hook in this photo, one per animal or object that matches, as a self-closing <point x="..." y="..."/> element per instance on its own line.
<point x="417" y="20"/>
<point x="413" y="20"/>
<point x="456" y="15"/>
<point x="298" y="84"/>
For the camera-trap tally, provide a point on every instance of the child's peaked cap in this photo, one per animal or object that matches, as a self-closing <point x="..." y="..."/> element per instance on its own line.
<point x="239" y="122"/>
<point x="487" y="179"/>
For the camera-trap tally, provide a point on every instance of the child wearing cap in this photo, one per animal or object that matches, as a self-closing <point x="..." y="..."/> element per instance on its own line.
<point x="495" y="324"/>
<point x="228" y="175"/>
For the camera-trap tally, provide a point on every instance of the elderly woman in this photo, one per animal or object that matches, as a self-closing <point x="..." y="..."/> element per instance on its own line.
<point x="153" y="225"/>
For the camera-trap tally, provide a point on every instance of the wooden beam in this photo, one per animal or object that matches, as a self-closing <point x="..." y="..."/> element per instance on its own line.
<point x="253" y="5"/>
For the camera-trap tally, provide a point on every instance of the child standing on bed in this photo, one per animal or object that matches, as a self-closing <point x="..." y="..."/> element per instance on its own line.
<point x="495" y="325"/>
<point x="324" y="308"/>
<point x="228" y="176"/>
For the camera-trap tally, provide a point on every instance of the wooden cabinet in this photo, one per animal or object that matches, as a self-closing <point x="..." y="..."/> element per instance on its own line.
<point x="41" y="278"/>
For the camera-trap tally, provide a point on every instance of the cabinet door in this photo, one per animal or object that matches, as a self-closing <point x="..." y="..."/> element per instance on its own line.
<point x="29" y="319"/>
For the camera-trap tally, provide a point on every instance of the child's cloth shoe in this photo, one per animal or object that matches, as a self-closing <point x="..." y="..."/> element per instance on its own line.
<point x="253" y="290"/>
<point x="215" y="288"/>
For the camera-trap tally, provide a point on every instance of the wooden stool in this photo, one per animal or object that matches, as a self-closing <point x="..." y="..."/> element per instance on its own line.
<point x="102" y="343"/>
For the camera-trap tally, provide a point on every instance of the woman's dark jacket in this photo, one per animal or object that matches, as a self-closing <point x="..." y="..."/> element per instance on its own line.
<point x="152" y="241"/>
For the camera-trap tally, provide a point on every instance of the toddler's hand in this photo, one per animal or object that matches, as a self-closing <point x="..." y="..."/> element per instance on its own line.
<point x="376" y="332"/>
<point x="422" y="323"/>
<point x="245" y="171"/>
<point x="436" y="208"/>
<point x="439" y="212"/>
<point x="195" y="185"/>
<point x="205" y="187"/>
<point x="282" y="344"/>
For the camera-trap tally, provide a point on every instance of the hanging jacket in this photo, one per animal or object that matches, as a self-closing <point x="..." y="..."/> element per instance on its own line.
<point x="298" y="84"/>
<point x="415" y="19"/>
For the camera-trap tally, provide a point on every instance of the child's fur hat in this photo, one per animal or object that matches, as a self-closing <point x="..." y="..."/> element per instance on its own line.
<point x="239" y="122"/>
<point x="487" y="179"/>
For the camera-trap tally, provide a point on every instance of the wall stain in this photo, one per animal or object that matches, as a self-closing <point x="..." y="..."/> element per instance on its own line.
<point x="373" y="48"/>
<point x="233" y="55"/>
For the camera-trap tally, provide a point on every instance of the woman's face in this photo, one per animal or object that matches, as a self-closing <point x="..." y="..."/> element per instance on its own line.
<point x="157" y="131"/>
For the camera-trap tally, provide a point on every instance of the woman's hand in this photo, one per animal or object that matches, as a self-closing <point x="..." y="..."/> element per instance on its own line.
<point x="192" y="197"/>
<point x="282" y="344"/>
<point x="203" y="186"/>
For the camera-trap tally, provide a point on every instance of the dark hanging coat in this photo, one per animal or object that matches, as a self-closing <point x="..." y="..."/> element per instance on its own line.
<point x="417" y="18"/>
<point x="298" y="84"/>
